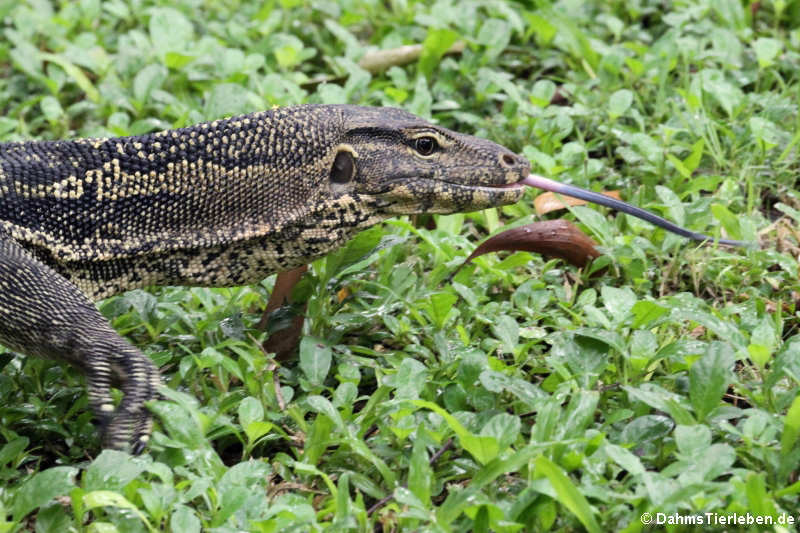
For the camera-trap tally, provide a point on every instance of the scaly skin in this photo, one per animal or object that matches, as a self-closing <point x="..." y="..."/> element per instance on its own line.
<point x="216" y="204"/>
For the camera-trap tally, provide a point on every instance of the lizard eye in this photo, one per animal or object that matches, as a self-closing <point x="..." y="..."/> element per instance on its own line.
<point x="344" y="167"/>
<point x="426" y="145"/>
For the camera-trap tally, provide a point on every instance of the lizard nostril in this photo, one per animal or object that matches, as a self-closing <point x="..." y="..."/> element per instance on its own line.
<point x="508" y="160"/>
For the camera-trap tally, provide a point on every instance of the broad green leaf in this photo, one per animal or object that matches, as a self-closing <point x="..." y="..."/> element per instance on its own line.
<point x="791" y="427"/>
<point x="436" y="43"/>
<point x="763" y="342"/>
<point x="506" y="329"/>
<point x="567" y="494"/>
<point x="766" y="132"/>
<point x="170" y="30"/>
<point x="11" y="450"/>
<point x="420" y="474"/>
<point x="693" y="161"/>
<point x="505" y="428"/>
<point x="675" y="210"/>
<point x="618" y="302"/>
<point x="315" y="359"/>
<point x="646" y="312"/>
<point x="619" y="102"/>
<point x="183" y="519"/>
<point x="495" y="35"/>
<point x="41" y="488"/>
<point x="112" y="470"/>
<point x="51" y="108"/>
<point x="233" y="497"/>
<point x="107" y="498"/>
<point x="228" y="99"/>
<point x="729" y="221"/>
<point x="692" y="440"/>
<point x="767" y="49"/>
<point x="410" y="379"/>
<point x="77" y="75"/>
<point x="624" y="458"/>
<point x="482" y="448"/>
<point x="441" y="303"/>
<point x="709" y="378"/>
<point x="150" y="78"/>
<point x="250" y="410"/>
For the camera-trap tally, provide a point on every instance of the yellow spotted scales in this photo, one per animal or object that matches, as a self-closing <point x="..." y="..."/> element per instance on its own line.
<point x="216" y="204"/>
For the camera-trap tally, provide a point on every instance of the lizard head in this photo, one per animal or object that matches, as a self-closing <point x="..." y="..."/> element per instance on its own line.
<point x="408" y="165"/>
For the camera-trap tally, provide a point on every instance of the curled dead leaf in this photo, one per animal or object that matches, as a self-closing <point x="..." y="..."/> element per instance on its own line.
<point x="553" y="238"/>
<point x="284" y="342"/>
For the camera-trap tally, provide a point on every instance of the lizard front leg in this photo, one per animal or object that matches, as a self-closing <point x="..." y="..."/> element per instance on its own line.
<point x="44" y="314"/>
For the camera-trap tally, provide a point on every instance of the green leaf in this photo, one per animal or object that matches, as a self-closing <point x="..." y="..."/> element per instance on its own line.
<point x="112" y="470"/>
<point x="709" y="378"/>
<point x="760" y="501"/>
<point x="410" y="379"/>
<point x="767" y="49"/>
<point x="228" y="99"/>
<point x="150" y="78"/>
<point x="505" y="428"/>
<point x="725" y="93"/>
<point x="441" y="305"/>
<point x="675" y="210"/>
<point x="51" y="108"/>
<point x="619" y="102"/>
<point x="233" y="497"/>
<point x="729" y="221"/>
<point x="436" y="43"/>
<point x="182" y="419"/>
<point x="170" y="30"/>
<point x="41" y="488"/>
<point x="107" y="498"/>
<point x="506" y="329"/>
<point x="420" y="474"/>
<point x="693" y="161"/>
<point x="482" y="448"/>
<point x="250" y="410"/>
<point x="679" y="166"/>
<point x="763" y="342"/>
<point x="791" y="427"/>
<point x="77" y="75"/>
<point x="315" y="359"/>
<point x="646" y="312"/>
<point x="624" y="458"/>
<point x="766" y="132"/>
<point x="692" y="440"/>
<point x="618" y="302"/>
<point x="567" y="494"/>
<point x="183" y="519"/>
<point x="12" y="450"/>
<point x="176" y="60"/>
<point x="495" y="34"/>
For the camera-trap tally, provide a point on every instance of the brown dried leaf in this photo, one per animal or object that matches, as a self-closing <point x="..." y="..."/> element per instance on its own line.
<point x="553" y="238"/>
<point x="284" y="343"/>
<point x="548" y="201"/>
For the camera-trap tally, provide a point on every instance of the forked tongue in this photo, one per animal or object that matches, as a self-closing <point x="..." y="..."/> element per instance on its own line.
<point x="576" y="192"/>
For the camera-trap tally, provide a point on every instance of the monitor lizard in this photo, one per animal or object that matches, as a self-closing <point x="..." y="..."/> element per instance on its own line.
<point x="216" y="204"/>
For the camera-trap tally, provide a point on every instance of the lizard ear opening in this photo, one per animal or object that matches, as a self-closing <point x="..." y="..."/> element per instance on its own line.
<point x="344" y="167"/>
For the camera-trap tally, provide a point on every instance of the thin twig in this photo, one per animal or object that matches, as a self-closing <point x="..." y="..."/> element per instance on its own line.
<point x="433" y="459"/>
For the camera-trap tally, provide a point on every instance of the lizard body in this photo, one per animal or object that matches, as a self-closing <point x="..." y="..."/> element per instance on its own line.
<point x="216" y="204"/>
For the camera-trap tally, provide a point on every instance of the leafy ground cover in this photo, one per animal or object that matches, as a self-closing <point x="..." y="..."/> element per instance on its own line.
<point x="522" y="395"/>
